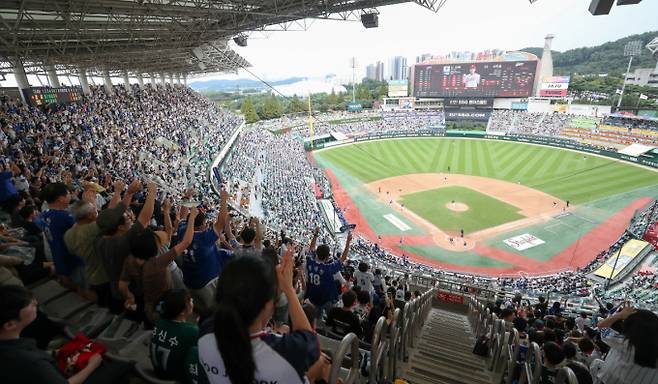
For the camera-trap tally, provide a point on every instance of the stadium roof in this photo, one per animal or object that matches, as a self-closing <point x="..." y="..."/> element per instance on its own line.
<point x="152" y="36"/>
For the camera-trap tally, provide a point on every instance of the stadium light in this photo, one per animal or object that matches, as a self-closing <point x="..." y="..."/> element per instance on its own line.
<point x="603" y="7"/>
<point x="370" y="20"/>
<point x="240" y="40"/>
<point x="632" y="48"/>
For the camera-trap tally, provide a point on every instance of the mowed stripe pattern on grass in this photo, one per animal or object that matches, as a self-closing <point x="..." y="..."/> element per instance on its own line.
<point x="568" y="175"/>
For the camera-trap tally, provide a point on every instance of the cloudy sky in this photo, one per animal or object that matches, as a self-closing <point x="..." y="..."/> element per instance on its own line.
<point x="461" y="25"/>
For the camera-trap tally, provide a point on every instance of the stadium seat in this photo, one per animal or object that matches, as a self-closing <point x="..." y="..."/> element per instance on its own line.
<point x="90" y="322"/>
<point x="65" y="306"/>
<point x="134" y="350"/>
<point x="145" y="370"/>
<point x="120" y="328"/>
<point x="47" y="291"/>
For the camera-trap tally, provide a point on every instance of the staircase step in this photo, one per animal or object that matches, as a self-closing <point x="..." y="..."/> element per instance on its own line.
<point x="440" y="376"/>
<point x="443" y="353"/>
<point x="449" y="368"/>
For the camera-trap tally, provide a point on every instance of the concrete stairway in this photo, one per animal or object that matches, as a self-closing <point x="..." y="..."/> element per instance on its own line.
<point x="443" y="353"/>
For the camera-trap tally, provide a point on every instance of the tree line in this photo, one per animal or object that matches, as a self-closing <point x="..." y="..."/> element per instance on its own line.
<point x="265" y="106"/>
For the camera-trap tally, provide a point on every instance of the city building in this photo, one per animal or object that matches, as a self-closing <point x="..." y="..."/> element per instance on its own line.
<point x="398" y="69"/>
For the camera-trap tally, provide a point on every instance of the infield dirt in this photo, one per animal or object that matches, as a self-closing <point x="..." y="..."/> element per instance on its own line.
<point x="535" y="205"/>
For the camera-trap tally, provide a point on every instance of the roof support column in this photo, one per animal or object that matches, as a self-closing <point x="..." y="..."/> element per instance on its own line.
<point x="140" y="80"/>
<point x="126" y="79"/>
<point x="107" y="82"/>
<point x="52" y="76"/>
<point x="162" y="78"/>
<point x="171" y="78"/>
<point x="21" y="77"/>
<point x="153" y="79"/>
<point x="82" y="75"/>
<point x="185" y="79"/>
<point x="178" y="78"/>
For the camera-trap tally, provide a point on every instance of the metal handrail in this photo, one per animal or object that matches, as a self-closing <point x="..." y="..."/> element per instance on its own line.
<point x="404" y="340"/>
<point x="349" y="343"/>
<point x="395" y="335"/>
<point x="377" y="352"/>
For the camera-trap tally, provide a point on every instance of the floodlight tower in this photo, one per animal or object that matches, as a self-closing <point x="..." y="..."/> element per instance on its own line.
<point x="353" y="66"/>
<point x="653" y="48"/>
<point x="632" y="48"/>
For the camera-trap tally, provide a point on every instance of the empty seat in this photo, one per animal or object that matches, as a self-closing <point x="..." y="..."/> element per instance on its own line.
<point x="48" y="291"/>
<point x="120" y="328"/>
<point x="129" y="350"/>
<point x="66" y="306"/>
<point x="90" y="322"/>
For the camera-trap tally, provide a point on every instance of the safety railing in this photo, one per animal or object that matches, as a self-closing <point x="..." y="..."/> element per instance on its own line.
<point x="349" y="345"/>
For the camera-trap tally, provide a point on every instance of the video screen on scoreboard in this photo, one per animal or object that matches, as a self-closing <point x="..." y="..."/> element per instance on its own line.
<point x="491" y="79"/>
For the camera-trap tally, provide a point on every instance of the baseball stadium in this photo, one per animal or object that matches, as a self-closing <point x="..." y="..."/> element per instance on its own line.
<point x="521" y="207"/>
<point x="170" y="214"/>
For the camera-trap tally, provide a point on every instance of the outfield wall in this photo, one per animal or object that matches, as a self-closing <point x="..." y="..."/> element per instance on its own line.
<point x="541" y="140"/>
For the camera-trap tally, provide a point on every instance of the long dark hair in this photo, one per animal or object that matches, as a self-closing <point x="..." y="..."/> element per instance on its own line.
<point x="641" y="331"/>
<point x="243" y="289"/>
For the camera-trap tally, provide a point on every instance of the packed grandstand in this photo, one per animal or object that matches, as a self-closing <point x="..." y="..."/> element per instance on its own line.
<point x="63" y="158"/>
<point x="148" y="235"/>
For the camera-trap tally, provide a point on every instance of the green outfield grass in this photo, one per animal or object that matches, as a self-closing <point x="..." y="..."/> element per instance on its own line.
<point x="568" y="175"/>
<point x="484" y="211"/>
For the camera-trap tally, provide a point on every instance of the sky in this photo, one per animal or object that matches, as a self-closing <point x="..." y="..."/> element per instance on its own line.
<point x="461" y="25"/>
<point x="409" y="30"/>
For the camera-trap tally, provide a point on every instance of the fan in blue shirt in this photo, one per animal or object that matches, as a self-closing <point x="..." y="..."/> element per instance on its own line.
<point x="202" y="261"/>
<point x="320" y="270"/>
<point x="57" y="221"/>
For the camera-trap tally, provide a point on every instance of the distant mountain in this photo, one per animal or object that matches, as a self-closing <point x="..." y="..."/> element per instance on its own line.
<point x="605" y="58"/>
<point x="226" y="85"/>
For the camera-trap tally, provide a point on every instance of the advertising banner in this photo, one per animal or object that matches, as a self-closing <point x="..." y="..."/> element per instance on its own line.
<point x="520" y="106"/>
<point x="467" y="114"/>
<point x="555" y="86"/>
<point x="398" y="88"/>
<point x="523" y="242"/>
<point x="450" y="297"/>
<point x="407" y="102"/>
<point x="468" y="102"/>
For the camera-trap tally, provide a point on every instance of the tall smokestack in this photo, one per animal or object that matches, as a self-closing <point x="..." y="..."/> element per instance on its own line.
<point x="546" y="63"/>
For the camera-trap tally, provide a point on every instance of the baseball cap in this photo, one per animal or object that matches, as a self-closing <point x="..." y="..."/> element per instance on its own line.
<point x="109" y="219"/>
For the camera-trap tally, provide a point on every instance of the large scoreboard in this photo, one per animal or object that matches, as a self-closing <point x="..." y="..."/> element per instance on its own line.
<point x="40" y="96"/>
<point x="478" y="79"/>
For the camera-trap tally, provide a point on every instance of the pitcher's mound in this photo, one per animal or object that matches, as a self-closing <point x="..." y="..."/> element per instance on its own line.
<point x="457" y="207"/>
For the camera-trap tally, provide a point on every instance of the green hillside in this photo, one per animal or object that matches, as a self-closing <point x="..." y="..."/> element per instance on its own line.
<point x="604" y="58"/>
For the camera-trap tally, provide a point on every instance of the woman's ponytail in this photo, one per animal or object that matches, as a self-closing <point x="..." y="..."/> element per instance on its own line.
<point x="234" y="344"/>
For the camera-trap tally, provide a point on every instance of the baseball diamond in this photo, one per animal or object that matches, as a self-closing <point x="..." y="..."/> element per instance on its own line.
<point x="574" y="204"/>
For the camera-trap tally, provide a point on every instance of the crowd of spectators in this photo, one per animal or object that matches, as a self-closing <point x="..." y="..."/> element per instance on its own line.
<point x="632" y="122"/>
<point x="528" y="123"/>
<point x="276" y="167"/>
<point x="111" y="197"/>
<point x="618" y="345"/>
<point x="644" y="219"/>
<point x="367" y="123"/>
